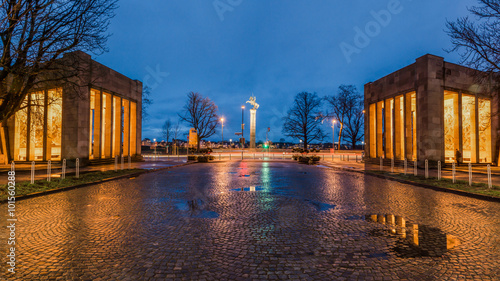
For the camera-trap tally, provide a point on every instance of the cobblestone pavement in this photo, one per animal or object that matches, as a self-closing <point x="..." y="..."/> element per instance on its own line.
<point x="254" y="220"/>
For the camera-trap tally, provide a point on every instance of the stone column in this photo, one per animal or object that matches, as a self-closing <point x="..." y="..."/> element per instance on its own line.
<point x="253" y="113"/>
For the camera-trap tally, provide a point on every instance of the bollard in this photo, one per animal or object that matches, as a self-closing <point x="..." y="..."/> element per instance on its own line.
<point x="32" y="172"/>
<point x="254" y="156"/>
<point x="490" y="185"/>
<point x="470" y="174"/>
<point x="283" y="157"/>
<point x="63" y="174"/>
<point x="129" y="162"/>
<point x="347" y="157"/>
<point x="219" y="156"/>
<point x="49" y="168"/>
<point x="415" y="171"/>
<point x="229" y="155"/>
<point x="453" y="171"/>
<point x="426" y="168"/>
<point x="116" y="163"/>
<point x="242" y="155"/>
<point x="12" y="167"/>
<point x="439" y="170"/>
<point x="122" y="162"/>
<point x="323" y="157"/>
<point x="406" y="166"/>
<point x="77" y="168"/>
<point x="392" y="165"/>
<point x="381" y="163"/>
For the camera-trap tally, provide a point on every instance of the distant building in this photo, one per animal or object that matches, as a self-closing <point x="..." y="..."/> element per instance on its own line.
<point x="429" y="110"/>
<point x="99" y="120"/>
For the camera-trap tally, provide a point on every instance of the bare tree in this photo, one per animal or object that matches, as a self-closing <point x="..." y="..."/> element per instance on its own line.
<point x="146" y="102"/>
<point x="355" y="119"/>
<point x="167" y="129"/>
<point x="341" y="105"/>
<point x="36" y="34"/>
<point x="303" y="119"/>
<point x="201" y="114"/>
<point x="477" y="40"/>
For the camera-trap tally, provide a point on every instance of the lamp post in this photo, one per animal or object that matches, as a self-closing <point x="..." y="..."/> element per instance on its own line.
<point x="242" y="125"/>
<point x="155" y="147"/>
<point x="222" y="120"/>
<point x="333" y="135"/>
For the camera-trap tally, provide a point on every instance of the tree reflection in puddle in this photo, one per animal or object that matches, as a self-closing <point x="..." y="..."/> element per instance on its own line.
<point x="414" y="240"/>
<point x="195" y="209"/>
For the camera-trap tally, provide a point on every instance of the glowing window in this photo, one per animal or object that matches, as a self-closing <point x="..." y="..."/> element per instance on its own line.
<point x="484" y="124"/>
<point x="451" y="129"/>
<point x="468" y="128"/>
<point x="54" y="123"/>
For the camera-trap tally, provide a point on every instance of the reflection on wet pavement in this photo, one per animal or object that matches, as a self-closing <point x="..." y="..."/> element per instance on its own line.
<point x="284" y="221"/>
<point x="251" y="188"/>
<point x="415" y="240"/>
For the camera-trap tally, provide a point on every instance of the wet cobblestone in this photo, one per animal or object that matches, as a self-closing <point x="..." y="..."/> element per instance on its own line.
<point x="290" y="222"/>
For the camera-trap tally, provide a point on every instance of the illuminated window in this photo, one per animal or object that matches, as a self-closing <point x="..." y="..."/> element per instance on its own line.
<point x="399" y="127"/>
<point x="106" y="125"/>
<point x="451" y="127"/>
<point x="21" y="133"/>
<point x="133" y="128"/>
<point x="36" y="125"/>
<point x="54" y="123"/>
<point x="411" y="125"/>
<point x="116" y="126"/>
<point x="126" y="127"/>
<point x="373" y="130"/>
<point x="380" y="129"/>
<point x="469" y="128"/>
<point x="389" y="130"/>
<point x="484" y="124"/>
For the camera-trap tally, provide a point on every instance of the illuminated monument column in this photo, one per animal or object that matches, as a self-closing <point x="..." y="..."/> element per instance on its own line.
<point x="253" y="113"/>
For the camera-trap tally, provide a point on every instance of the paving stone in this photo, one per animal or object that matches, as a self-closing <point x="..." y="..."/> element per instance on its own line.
<point x="301" y="223"/>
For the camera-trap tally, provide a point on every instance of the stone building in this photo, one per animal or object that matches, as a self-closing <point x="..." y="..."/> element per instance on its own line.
<point x="428" y="110"/>
<point x="99" y="119"/>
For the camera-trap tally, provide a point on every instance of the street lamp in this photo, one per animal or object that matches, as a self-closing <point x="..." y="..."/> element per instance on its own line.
<point x="154" y="140"/>
<point x="222" y="120"/>
<point x="333" y="135"/>
<point x="242" y="125"/>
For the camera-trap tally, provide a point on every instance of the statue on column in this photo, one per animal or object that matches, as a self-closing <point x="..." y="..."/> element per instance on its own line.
<point x="253" y="113"/>
<point x="252" y="102"/>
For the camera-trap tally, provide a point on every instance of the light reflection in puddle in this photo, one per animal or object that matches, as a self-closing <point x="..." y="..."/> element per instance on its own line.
<point x="414" y="240"/>
<point x="251" y="188"/>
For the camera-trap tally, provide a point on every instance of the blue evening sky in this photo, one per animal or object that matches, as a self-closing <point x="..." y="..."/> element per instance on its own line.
<point x="229" y="49"/>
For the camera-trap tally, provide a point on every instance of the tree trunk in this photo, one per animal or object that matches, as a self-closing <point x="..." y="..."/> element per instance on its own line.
<point x="199" y="143"/>
<point x="340" y="133"/>
<point x="4" y="141"/>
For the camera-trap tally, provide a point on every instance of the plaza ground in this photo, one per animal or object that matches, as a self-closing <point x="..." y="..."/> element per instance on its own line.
<point x="254" y="219"/>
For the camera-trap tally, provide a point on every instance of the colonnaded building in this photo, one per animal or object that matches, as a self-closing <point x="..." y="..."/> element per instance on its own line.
<point x="428" y="110"/>
<point x="99" y="120"/>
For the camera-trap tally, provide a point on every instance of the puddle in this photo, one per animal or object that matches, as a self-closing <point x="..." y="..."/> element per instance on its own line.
<point x="320" y="206"/>
<point x="232" y="173"/>
<point x="251" y="188"/>
<point x="413" y="240"/>
<point x="354" y="218"/>
<point x="322" y="166"/>
<point x="195" y="209"/>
